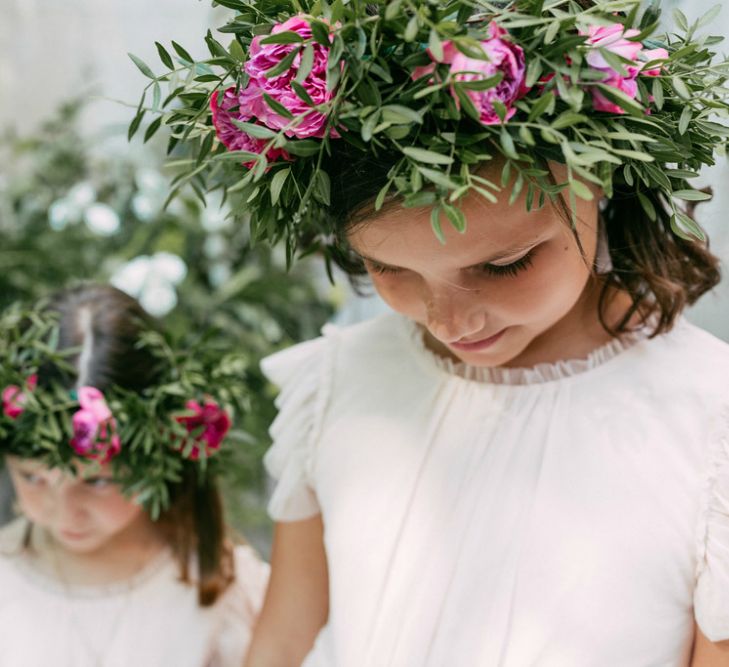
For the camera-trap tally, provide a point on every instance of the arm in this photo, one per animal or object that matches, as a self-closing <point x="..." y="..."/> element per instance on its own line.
<point x="709" y="654"/>
<point x="297" y="599"/>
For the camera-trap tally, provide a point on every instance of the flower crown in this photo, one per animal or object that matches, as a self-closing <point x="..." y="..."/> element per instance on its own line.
<point x="442" y="86"/>
<point x="147" y="436"/>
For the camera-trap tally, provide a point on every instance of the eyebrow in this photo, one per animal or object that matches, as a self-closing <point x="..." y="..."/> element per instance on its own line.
<point x="501" y="255"/>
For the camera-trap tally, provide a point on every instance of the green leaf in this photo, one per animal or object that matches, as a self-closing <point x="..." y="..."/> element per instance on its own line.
<point x="507" y="144"/>
<point x="634" y="155"/>
<point x="685" y="119"/>
<point x="182" y="53"/>
<point x="134" y="125"/>
<point x="581" y="190"/>
<point x="435" y="224"/>
<point x="303" y="147"/>
<point x="568" y="118"/>
<point x="437" y="177"/>
<point x="302" y="93"/>
<point x="482" y="84"/>
<point x="285" y="37"/>
<point x="680" y="18"/>
<point x="153" y="127"/>
<point x="657" y="90"/>
<point x="396" y="113"/>
<point x="435" y="45"/>
<point x="534" y="71"/>
<point x="648" y="207"/>
<point x="277" y="107"/>
<point x="284" y="65"/>
<point x="411" y="30"/>
<point x="686" y="227"/>
<point x="429" y="157"/>
<point x="551" y="32"/>
<point x="143" y="67"/>
<point x="680" y="87"/>
<point x="323" y="187"/>
<point x="691" y="195"/>
<point x="306" y="64"/>
<point x="254" y="130"/>
<point x="392" y="10"/>
<point x="456" y="217"/>
<point x="164" y="56"/>
<point x="544" y="104"/>
<point x="320" y="32"/>
<point x="277" y="183"/>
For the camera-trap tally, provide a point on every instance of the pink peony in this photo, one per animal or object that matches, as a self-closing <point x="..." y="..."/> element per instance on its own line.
<point x="615" y="39"/>
<point x="230" y="135"/>
<point x="504" y="56"/>
<point x="262" y="57"/>
<point x="14" y="398"/>
<point x="208" y="423"/>
<point x="94" y="427"/>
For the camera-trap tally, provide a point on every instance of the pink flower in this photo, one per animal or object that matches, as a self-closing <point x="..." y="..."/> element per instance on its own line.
<point x="94" y="427"/>
<point x="14" y="398"/>
<point x="207" y="425"/>
<point x="504" y="56"/>
<point x="230" y="135"/>
<point x="615" y="39"/>
<point x="649" y="55"/>
<point x="263" y="57"/>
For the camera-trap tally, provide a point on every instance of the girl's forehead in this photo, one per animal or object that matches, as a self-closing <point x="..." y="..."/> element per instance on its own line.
<point x="490" y="228"/>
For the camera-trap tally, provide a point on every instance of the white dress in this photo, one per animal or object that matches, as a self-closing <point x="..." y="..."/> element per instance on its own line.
<point x="574" y="514"/>
<point x="152" y="620"/>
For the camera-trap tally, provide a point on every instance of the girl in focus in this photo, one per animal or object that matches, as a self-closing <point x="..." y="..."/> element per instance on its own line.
<point x="526" y="463"/>
<point x="87" y="576"/>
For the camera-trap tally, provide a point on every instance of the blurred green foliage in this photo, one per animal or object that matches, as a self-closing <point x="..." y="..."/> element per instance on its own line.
<point x="72" y="209"/>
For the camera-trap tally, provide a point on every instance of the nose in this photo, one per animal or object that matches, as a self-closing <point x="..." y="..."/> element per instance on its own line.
<point x="67" y="506"/>
<point x="454" y="312"/>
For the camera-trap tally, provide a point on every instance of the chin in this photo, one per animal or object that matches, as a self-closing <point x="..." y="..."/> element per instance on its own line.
<point x="79" y="543"/>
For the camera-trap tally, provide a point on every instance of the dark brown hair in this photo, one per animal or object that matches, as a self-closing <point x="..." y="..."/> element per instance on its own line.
<point x="661" y="271"/>
<point x="106" y="323"/>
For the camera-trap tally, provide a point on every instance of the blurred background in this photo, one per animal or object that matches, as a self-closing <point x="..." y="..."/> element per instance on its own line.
<point x="78" y="202"/>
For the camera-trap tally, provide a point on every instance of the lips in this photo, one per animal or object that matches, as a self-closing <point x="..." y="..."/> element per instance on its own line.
<point x="474" y="346"/>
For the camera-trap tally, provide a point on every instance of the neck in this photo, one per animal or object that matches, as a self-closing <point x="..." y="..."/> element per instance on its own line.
<point x="118" y="559"/>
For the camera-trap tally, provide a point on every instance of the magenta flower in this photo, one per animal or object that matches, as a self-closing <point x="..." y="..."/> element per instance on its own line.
<point x="207" y="426"/>
<point x="616" y="39"/>
<point x="504" y="56"/>
<point x="14" y="398"/>
<point x="94" y="427"/>
<point x="230" y="135"/>
<point x="263" y="57"/>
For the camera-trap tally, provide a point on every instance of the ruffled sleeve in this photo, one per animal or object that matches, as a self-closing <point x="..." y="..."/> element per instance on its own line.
<point x="303" y="375"/>
<point x="711" y="597"/>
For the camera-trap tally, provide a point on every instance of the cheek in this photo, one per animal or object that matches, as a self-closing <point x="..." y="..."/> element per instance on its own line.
<point x="401" y="292"/>
<point x="34" y="501"/>
<point x="112" y="510"/>
<point x="549" y="288"/>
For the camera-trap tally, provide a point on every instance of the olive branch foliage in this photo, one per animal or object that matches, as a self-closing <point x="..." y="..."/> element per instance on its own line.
<point x="664" y="137"/>
<point x="155" y="448"/>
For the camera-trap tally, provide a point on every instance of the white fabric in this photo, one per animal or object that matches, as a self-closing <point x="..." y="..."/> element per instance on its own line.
<point x="567" y="515"/>
<point x="152" y="621"/>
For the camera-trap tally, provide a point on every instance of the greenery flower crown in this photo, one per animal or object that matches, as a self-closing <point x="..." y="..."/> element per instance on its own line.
<point x="443" y="86"/>
<point x="147" y="436"/>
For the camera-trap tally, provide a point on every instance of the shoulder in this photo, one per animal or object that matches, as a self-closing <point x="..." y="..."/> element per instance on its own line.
<point x="364" y="341"/>
<point x="12" y="537"/>
<point x="688" y="359"/>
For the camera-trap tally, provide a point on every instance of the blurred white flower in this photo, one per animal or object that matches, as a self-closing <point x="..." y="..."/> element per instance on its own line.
<point x="60" y="214"/>
<point x="219" y="274"/>
<point x="216" y="216"/>
<point x="214" y="246"/>
<point x="81" y="195"/>
<point x="152" y="191"/>
<point x="152" y="281"/>
<point x="150" y="181"/>
<point x="102" y="219"/>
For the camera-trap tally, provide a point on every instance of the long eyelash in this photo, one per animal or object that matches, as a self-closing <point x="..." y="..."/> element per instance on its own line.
<point x="379" y="269"/>
<point x="510" y="269"/>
